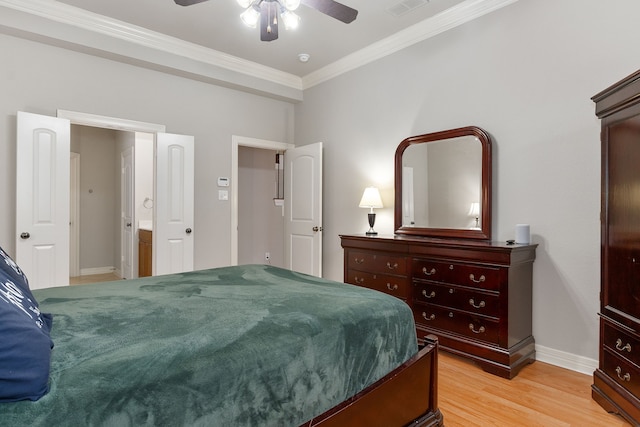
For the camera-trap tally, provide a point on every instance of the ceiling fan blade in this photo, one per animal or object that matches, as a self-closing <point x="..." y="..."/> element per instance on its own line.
<point x="333" y="9"/>
<point x="188" y="2"/>
<point x="268" y="21"/>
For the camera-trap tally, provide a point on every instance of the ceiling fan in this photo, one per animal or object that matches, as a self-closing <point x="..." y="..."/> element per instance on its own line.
<point x="268" y="11"/>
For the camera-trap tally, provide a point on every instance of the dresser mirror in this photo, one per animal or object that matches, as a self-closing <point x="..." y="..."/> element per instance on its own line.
<point x="443" y="184"/>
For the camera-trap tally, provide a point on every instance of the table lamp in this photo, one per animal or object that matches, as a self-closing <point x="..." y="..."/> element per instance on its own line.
<point x="371" y="199"/>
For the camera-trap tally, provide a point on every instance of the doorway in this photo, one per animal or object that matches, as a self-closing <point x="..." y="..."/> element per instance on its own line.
<point x="302" y="201"/>
<point x="42" y="204"/>
<point x="260" y="207"/>
<point x="113" y="186"/>
<point x="252" y="143"/>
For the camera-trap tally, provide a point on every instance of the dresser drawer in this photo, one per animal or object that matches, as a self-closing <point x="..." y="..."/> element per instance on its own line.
<point x="460" y="298"/>
<point x="480" y="276"/>
<point x="377" y="263"/>
<point x="621" y="343"/>
<point x="427" y="269"/>
<point x="622" y="371"/>
<point x="392" y="285"/>
<point x="477" y="327"/>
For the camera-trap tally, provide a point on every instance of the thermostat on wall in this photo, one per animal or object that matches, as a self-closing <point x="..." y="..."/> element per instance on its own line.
<point x="223" y="181"/>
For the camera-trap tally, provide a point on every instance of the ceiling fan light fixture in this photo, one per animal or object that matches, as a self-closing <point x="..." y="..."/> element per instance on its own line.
<point x="250" y="16"/>
<point x="266" y="12"/>
<point x="290" y="19"/>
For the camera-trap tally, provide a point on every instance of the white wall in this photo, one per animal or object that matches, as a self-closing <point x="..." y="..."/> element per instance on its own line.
<point x="41" y="79"/>
<point x="143" y="176"/>
<point x="525" y="74"/>
<point x="260" y="222"/>
<point x="99" y="196"/>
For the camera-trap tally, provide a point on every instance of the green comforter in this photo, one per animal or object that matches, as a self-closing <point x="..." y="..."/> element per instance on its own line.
<point x="235" y="346"/>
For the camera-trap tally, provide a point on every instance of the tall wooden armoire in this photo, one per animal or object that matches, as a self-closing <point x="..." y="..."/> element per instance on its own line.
<point x="616" y="382"/>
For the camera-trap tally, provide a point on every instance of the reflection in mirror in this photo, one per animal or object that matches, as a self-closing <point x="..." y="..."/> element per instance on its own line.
<point x="443" y="184"/>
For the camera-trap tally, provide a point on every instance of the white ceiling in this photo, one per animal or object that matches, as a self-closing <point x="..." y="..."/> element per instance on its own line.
<point x="216" y="24"/>
<point x="208" y="42"/>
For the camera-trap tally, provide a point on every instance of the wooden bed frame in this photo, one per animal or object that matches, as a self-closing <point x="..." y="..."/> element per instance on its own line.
<point x="407" y="396"/>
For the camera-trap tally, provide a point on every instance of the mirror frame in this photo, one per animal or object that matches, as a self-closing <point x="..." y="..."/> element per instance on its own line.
<point x="484" y="233"/>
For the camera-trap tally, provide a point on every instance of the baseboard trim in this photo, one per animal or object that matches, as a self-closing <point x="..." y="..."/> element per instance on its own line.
<point x="570" y="361"/>
<point x="97" y="270"/>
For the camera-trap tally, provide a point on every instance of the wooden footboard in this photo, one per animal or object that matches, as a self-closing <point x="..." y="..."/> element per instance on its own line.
<point x="407" y="396"/>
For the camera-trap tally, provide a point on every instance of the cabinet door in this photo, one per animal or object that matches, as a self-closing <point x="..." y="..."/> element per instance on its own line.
<point x="621" y="261"/>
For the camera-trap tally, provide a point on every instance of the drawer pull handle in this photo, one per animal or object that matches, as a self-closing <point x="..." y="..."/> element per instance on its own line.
<point x="359" y="260"/>
<point x="480" y="280"/>
<point x="392" y="267"/>
<point x="621" y="348"/>
<point x="476" y="331"/>
<point x="359" y="280"/>
<point x="625" y="377"/>
<point x="430" y="272"/>
<point x="432" y="317"/>
<point x="431" y="295"/>
<point x="393" y="287"/>
<point x="481" y="304"/>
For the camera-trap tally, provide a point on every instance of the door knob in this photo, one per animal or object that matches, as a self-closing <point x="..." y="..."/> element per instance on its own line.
<point x="188" y="231"/>
<point x="25" y="235"/>
<point x="317" y="228"/>
<point x="128" y="224"/>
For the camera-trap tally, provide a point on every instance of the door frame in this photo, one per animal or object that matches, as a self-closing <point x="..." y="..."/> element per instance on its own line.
<point x="74" y="216"/>
<point x="242" y="141"/>
<point x="97" y="121"/>
<point x="114" y="123"/>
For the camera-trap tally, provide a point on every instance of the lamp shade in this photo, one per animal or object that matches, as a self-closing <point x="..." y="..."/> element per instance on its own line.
<point x="371" y="198"/>
<point x="290" y="19"/>
<point x="250" y="16"/>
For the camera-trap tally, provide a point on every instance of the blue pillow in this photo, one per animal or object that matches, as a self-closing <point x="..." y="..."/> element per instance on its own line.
<point x="18" y="277"/>
<point x="25" y="342"/>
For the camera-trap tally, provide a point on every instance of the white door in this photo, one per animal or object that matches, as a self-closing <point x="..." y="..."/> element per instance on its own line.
<point x="173" y="204"/>
<point x="126" y="213"/>
<point x="303" y="209"/>
<point x="42" y="199"/>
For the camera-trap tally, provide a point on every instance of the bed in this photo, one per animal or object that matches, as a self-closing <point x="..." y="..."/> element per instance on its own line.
<point x="248" y="345"/>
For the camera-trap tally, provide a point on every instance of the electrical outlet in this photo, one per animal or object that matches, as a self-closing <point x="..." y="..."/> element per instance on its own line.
<point x="267" y="256"/>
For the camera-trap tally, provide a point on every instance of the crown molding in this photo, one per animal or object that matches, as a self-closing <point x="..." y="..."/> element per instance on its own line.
<point x="446" y="20"/>
<point x="80" y="18"/>
<point x="71" y="27"/>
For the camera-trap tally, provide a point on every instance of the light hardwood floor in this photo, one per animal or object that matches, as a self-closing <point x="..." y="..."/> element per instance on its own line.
<point x="93" y="278"/>
<point x="541" y="395"/>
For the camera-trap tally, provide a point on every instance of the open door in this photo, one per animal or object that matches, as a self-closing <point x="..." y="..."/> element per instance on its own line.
<point x="303" y="209"/>
<point x="42" y="199"/>
<point x="173" y="204"/>
<point x="42" y="196"/>
<point x="127" y="219"/>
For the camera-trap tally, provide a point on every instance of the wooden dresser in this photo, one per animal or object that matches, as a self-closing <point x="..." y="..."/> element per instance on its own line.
<point x="474" y="296"/>
<point x="616" y="382"/>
